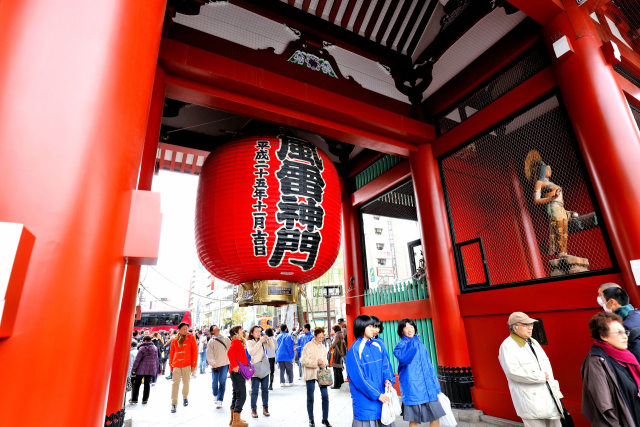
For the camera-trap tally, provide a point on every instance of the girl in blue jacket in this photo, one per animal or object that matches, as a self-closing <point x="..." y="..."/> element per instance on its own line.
<point x="369" y="373"/>
<point x="419" y="385"/>
<point x="378" y="328"/>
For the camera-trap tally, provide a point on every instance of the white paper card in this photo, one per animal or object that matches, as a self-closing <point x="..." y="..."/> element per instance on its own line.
<point x="635" y="269"/>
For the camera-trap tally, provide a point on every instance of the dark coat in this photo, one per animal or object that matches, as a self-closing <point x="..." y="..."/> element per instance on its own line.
<point x="339" y="347"/>
<point x="146" y="362"/>
<point x="632" y="324"/>
<point x="602" y="401"/>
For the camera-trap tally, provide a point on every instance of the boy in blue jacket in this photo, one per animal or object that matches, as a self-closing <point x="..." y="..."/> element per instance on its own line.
<point x="369" y="373"/>
<point x="284" y="355"/>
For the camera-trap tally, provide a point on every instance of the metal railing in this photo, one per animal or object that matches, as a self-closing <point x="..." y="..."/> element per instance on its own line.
<point x="411" y="290"/>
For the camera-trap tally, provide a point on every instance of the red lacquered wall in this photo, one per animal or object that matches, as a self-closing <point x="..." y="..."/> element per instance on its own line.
<point x="564" y="307"/>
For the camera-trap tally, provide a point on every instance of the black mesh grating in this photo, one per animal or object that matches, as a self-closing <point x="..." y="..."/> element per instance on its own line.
<point x="627" y="74"/>
<point x="527" y="66"/>
<point x="501" y="235"/>
<point x="636" y="114"/>
<point x="397" y="203"/>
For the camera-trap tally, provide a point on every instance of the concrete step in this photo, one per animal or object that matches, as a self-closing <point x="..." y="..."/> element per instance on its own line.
<point x="477" y="418"/>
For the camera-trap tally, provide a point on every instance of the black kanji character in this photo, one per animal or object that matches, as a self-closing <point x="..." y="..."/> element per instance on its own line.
<point x="309" y="243"/>
<point x="300" y="179"/>
<point x="259" y="207"/>
<point x="286" y="241"/>
<point x="263" y="144"/>
<point x="259" y="192"/>
<point x="259" y="220"/>
<point x="262" y="155"/>
<point x="259" y="243"/>
<point x="260" y="173"/>
<point x="298" y="149"/>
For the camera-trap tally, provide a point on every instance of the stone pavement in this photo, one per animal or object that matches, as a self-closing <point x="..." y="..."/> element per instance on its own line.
<point x="288" y="407"/>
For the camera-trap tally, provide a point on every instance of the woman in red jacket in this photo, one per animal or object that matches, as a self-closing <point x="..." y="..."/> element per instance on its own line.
<point x="183" y="360"/>
<point x="237" y="354"/>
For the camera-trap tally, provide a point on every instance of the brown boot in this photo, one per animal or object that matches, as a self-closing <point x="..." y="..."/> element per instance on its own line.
<point x="231" y="420"/>
<point x="237" y="422"/>
<point x="265" y="411"/>
<point x="254" y="413"/>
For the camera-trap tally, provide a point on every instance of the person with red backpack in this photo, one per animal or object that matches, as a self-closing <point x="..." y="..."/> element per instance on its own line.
<point x="183" y="360"/>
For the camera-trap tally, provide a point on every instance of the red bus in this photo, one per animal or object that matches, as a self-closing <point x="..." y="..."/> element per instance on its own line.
<point x="161" y="320"/>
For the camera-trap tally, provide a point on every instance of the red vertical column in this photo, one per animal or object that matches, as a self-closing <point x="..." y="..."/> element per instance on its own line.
<point x="606" y="132"/>
<point x="351" y="252"/>
<point x="124" y="330"/>
<point x="75" y="84"/>
<point x="448" y="328"/>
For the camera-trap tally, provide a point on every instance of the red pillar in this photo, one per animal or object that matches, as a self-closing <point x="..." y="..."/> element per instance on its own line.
<point x="448" y="328"/>
<point x="128" y="304"/>
<point x="352" y="254"/>
<point x="76" y="80"/>
<point x="606" y="133"/>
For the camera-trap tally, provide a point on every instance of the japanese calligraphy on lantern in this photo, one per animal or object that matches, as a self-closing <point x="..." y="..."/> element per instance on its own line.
<point x="300" y="208"/>
<point x="260" y="187"/>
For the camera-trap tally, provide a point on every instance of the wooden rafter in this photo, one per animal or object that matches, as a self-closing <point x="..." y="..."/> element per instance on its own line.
<point x="387" y="19"/>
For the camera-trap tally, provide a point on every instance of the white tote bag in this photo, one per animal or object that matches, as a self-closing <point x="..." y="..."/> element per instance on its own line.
<point x="448" y="420"/>
<point x="392" y="408"/>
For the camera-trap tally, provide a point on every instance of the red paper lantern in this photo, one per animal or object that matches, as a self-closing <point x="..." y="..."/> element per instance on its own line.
<point x="268" y="209"/>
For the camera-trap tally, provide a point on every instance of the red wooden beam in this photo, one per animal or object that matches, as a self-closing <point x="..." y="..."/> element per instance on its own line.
<point x="362" y="13"/>
<point x="374" y="18"/>
<point x="542" y="11"/>
<point x="387" y="19"/>
<point x="512" y="101"/>
<point x="214" y="80"/>
<point x="347" y="13"/>
<point x="334" y="10"/>
<point x="320" y="8"/>
<point x="382" y="184"/>
<point x="631" y="91"/>
<point x="362" y="161"/>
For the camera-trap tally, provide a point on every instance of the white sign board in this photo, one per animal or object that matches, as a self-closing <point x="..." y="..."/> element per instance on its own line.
<point x="635" y="269"/>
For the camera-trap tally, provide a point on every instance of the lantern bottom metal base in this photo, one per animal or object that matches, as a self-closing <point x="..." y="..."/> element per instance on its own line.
<point x="267" y="292"/>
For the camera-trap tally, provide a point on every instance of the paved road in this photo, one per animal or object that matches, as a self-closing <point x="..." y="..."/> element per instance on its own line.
<point x="286" y="405"/>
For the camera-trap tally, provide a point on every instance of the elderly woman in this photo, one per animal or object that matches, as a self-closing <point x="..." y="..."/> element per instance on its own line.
<point x="610" y="375"/>
<point x="314" y="357"/>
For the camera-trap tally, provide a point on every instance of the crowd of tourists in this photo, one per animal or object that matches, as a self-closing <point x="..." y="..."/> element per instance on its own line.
<point x="321" y="359"/>
<point x="610" y="372"/>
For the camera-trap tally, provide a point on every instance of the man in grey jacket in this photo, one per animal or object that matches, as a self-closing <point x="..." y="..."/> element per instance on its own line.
<point x="219" y="361"/>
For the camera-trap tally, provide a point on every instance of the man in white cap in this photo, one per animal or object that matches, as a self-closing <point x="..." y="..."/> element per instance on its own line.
<point x="534" y="392"/>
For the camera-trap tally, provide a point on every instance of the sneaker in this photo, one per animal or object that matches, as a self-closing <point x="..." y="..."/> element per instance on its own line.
<point x="133" y="402"/>
<point x="185" y="402"/>
<point x="173" y="408"/>
<point x="218" y="404"/>
<point x="144" y="402"/>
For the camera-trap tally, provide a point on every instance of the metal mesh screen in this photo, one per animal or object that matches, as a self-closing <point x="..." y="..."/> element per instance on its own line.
<point x="636" y="114"/>
<point x="626" y="74"/>
<point x="527" y="66"/>
<point x="520" y="205"/>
